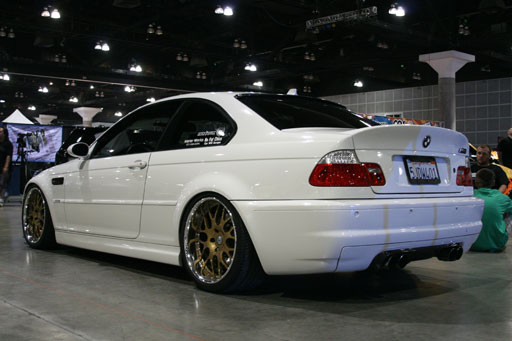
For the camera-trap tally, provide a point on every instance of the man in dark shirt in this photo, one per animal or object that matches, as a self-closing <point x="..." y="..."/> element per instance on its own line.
<point x="5" y="162"/>
<point x="505" y="150"/>
<point x="483" y="160"/>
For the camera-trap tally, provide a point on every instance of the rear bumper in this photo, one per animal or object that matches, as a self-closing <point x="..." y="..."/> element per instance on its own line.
<point x="319" y="236"/>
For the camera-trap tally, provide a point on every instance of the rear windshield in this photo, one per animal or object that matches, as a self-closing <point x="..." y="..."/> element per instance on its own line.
<point x="285" y="112"/>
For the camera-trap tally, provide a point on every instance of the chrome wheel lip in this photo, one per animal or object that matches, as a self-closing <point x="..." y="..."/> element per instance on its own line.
<point x="26" y="227"/>
<point x="190" y="256"/>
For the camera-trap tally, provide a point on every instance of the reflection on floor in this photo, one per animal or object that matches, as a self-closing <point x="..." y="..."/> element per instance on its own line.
<point x="73" y="294"/>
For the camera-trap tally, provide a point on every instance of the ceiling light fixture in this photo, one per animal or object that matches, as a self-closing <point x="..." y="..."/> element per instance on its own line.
<point x="97" y="46"/>
<point x="396" y="10"/>
<point x="307" y="89"/>
<point x="91" y="87"/>
<point x="2" y="100"/>
<point x="464" y="27"/>
<point x="55" y="14"/>
<point x="2" y="32"/>
<point x="45" y="13"/>
<point x="135" y="67"/>
<point x="219" y="10"/>
<point x="150" y="99"/>
<point x="159" y="30"/>
<point x="251" y="67"/>
<point x="118" y="114"/>
<point x="228" y="11"/>
<point x="258" y="83"/>
<point x="31" y="107"/>
<point x="11" y="34"/>
<point x="243" y="45"/>
<point x="73" y="99"/>
<point x="150" y="29"/>
<point x="43" y="89"/>
<point x="105" y="47"/>
<point x="308" y="55"/>
<point x="129" y="88"/>
<point x="486" y="68"/>
<point x="358" y="84"/>
<point x="182" y="57"/>
<point x="236" y="44"/>
<point x="5" y="77"/>
<point x="382" y="45"/>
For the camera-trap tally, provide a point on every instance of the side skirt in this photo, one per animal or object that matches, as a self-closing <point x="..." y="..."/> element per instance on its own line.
<point x="122" y="247"/>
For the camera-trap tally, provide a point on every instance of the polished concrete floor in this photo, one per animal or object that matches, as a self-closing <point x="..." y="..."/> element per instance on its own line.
<point x="73" y="294"/>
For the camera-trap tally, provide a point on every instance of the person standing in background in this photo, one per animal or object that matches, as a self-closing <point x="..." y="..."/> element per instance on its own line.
<point x="483" y="160"/>
<point x="5" y="162"/>
<point x="505" y="150"/>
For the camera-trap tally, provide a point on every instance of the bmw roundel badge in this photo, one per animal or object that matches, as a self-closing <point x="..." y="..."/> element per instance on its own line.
<point x="426" y="141"/>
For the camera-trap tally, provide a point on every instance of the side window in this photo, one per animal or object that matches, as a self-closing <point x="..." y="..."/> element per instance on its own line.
<point x="201" y="124"/>
<point x="140" y="132"/>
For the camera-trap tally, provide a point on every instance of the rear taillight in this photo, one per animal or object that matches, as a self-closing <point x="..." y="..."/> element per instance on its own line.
<point x="342" y="168"/>
<point x="464" y="176"/>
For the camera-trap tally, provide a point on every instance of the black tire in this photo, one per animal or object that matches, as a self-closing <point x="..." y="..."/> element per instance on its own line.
<point x="36" y="220"/>
<point x="216" y="248"/>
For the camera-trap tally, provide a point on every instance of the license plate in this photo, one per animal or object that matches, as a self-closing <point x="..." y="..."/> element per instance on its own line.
<point x="421" y="170"/>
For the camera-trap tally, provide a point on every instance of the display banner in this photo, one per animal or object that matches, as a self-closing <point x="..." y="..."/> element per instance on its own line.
<point x="399" y="120"/>
<point x="39" y="143"/>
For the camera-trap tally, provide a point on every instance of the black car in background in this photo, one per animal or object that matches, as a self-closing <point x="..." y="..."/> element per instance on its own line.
<point x="80" y="134"/>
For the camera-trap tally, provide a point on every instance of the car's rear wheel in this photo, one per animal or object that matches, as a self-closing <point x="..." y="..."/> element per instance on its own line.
<point x="216" y="248"/>
<point x="36" y="220"/>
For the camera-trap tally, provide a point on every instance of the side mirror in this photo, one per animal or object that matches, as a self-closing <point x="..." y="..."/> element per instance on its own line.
<point x="78" y="150"/>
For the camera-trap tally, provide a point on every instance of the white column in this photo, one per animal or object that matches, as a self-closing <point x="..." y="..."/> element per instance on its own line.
<point x="45" y="119"/>
<point x="87" y="114"/>
<point x="446" y="64"/>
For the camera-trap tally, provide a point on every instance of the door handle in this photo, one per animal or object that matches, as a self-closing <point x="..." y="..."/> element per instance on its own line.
<point x="138" y="164"/>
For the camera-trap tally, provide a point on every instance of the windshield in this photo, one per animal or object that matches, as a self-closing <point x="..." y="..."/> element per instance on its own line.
<point x="285" y="112"/>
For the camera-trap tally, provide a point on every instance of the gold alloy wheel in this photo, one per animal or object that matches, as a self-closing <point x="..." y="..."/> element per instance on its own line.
<point x="34" y="215"/>
<point x="209" y="240"/>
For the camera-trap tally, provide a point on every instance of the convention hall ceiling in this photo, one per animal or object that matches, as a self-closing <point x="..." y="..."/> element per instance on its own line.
<point x="318" y="47"/>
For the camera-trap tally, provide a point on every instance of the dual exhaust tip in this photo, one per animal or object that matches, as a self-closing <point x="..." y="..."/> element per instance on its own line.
<point x="450" y="254"/>
<point x="400" y="258"/>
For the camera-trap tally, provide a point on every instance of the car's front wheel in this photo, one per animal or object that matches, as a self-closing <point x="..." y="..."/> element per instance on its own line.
<point x="36" y="220"/>
<point x="216" y="248"/>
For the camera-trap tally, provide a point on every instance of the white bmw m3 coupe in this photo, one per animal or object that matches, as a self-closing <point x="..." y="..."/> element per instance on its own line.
<point x="233" y="186"/>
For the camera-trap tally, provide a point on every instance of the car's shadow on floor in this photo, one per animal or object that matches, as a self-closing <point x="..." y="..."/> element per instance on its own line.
<point x="388" y="296"/>
<point x="356" y="286"/>
<point x="366" y="285"/>
<point x="154" y="269"/>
